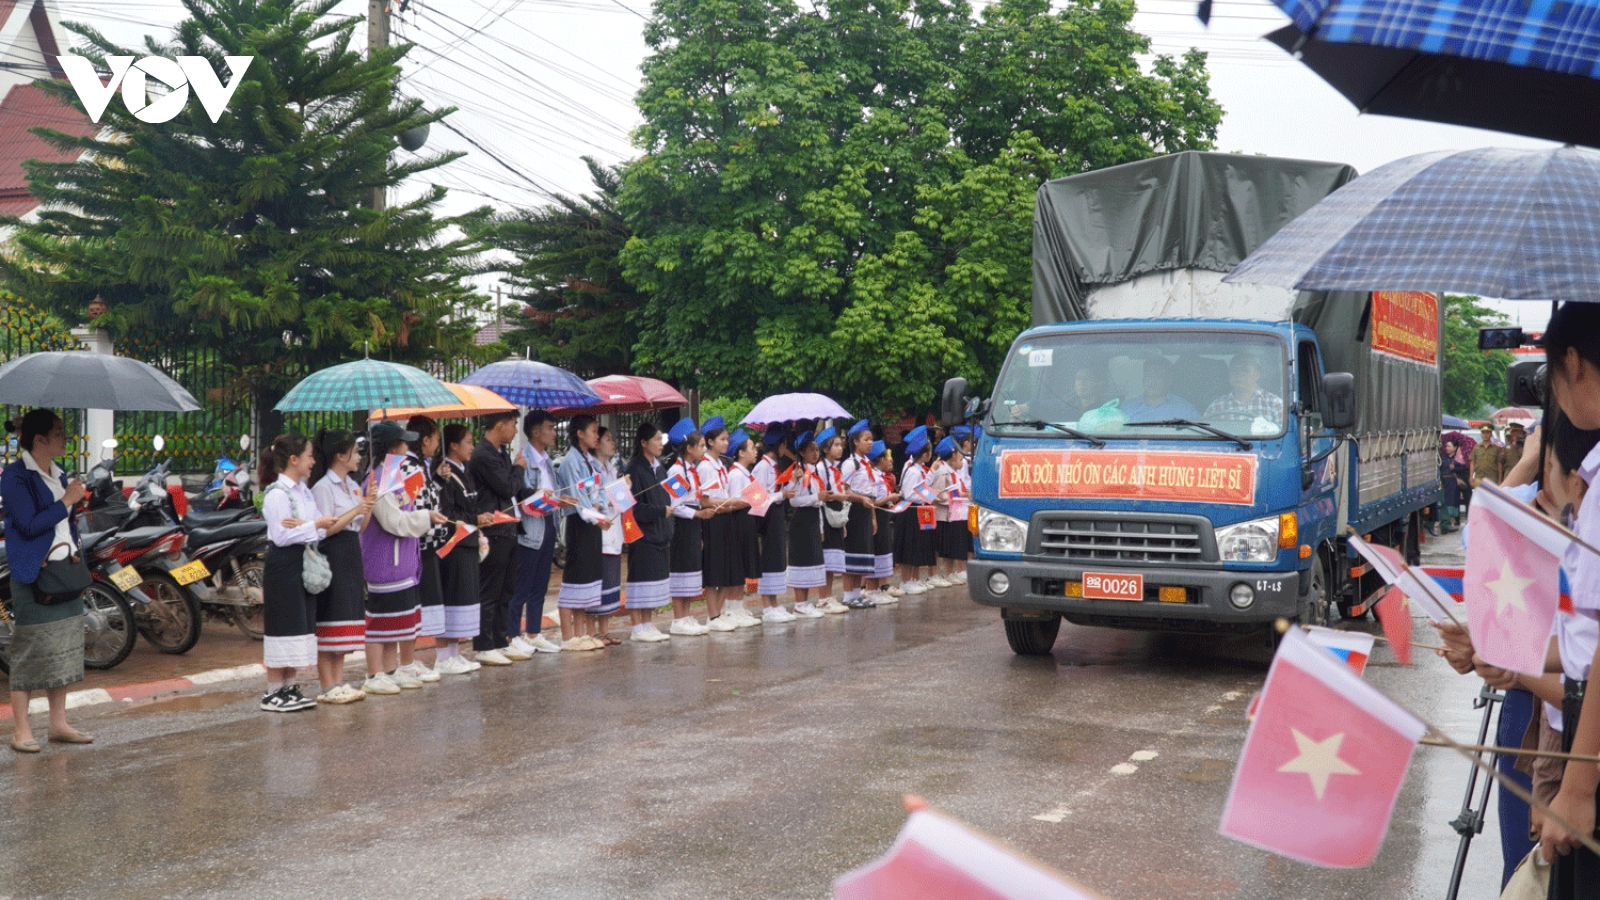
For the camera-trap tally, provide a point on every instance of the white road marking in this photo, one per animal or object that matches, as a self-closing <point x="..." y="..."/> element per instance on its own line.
<point x="236" y="673"/>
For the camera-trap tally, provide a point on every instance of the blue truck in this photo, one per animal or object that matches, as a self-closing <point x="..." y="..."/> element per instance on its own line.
<point x="1165" y="450"/>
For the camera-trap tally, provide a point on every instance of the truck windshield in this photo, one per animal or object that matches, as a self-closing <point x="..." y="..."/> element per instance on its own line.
<point x="1106" y="383"/>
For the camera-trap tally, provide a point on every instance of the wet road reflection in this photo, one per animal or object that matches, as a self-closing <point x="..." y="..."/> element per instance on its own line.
<point x="759" y="764"/>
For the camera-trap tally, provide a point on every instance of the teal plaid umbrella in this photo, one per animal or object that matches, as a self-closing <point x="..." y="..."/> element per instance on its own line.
<point x="365" y="384"/>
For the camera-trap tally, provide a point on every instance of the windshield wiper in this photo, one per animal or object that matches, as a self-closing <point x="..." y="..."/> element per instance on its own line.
<point x="1192" y="424"/>
<point x="1040" y="423"/>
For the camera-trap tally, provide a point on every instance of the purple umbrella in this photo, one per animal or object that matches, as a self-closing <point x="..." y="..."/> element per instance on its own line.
<point x="789" y="407"/>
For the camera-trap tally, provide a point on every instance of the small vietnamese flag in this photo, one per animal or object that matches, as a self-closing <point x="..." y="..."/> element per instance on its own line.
<point x="1394" y="611"/>
<point x="630" y="528"/>
<point x="413" y="484"/>
<point x="759" y="498"/>
<point x="1512" y="582"/>
<point x="501" y="517"/>
<point x="785" y="477"/>
<point x="925" y="518"/>
<point x="462" y="530"/>
<point x="1322" y="763"/>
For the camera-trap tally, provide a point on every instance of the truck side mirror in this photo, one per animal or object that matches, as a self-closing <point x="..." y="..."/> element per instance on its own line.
<point x="1526" y="382"/>
<point x="1339" y="390"/>
<point x="953" y="403"/>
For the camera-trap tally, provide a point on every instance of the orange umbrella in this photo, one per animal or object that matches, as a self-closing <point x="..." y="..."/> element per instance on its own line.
<point x="472" y="401"/>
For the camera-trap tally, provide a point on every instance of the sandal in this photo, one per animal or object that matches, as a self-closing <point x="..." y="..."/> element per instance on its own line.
<point x="71" y="737"/>
<point x="608" y="640"/>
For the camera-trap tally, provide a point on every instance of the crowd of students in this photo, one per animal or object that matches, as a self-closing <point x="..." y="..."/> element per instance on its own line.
<point x="1556" y="470"/>
<point x="451" y="539"/>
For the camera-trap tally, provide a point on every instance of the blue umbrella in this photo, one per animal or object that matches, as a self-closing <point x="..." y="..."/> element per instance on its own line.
<point x="1515" y="224"/>
<point x="1454" y="422"/>
<point x="1522" y="68"/>
<point x="528" y="383"/>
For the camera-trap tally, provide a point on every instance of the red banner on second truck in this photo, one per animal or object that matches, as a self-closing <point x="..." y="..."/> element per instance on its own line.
<point x="1406" y="324"/>
<point x="1129" y="475"/>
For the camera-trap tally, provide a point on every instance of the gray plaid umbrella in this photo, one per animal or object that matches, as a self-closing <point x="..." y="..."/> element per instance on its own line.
<point x="1514" y="224"/>
<point x="74" y="379"/>
<point x="365" y="384"/>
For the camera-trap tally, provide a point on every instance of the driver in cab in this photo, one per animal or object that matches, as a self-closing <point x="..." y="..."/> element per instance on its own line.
<point x="1247" y="400"/>
<point x="1089" y="391"/>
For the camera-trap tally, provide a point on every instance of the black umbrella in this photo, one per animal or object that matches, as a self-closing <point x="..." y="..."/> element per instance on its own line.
<point x="75" y="379"/>
<point x="1454" y="90"/>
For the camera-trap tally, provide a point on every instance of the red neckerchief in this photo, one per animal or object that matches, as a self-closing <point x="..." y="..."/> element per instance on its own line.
<point x="872" y="471"/>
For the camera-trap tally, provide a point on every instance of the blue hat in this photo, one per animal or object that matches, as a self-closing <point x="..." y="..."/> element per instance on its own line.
<point x="945" y="448"/>
<point x="827" y="433"/>
<point x="803" y="438"/>
<point x="735" y="441"/>
<point x="878" y="449"/>
<point x="961" y="431"/>
<point x="915" y="443"/>
<point x="775" y="434"/>
<point x="857" y="428"/>
<point x="681" y="430"/>
<point x="712" y="424"/>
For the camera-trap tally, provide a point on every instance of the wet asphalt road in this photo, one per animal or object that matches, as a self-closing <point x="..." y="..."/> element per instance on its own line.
<point x="745" y="765"/>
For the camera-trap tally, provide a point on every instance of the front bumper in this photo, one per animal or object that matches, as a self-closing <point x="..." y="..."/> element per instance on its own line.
<point x="1038" y="586"/>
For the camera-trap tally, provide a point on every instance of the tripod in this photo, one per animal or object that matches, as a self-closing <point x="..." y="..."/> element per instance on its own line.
<point x="1469" y="823"/>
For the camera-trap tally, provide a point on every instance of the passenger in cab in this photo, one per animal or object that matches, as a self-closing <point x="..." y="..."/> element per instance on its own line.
<point x="1246" y="400"/>
<point x="1158" y="403"/>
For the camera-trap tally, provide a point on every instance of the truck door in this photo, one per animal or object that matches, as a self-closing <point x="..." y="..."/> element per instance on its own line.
<point x="1320" y="479"/>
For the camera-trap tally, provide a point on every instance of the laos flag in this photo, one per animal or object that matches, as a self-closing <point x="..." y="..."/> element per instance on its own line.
<point x="1322" y="763"/>
<point x="677" y="486"/>
<point x="1353" y="647"/>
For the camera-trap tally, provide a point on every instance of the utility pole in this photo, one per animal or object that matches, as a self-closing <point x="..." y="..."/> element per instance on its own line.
<point x="377" y="39"/>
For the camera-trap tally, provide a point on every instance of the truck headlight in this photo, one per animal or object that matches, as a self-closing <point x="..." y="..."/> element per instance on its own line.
<point x="1000" y="533"/>
<point x="1252" y="541"/>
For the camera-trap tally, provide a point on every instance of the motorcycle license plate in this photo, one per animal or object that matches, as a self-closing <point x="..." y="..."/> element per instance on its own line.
<point x="1113" y="586"/>
<point x="190" y="573"/>
<point x="126" y="579"/>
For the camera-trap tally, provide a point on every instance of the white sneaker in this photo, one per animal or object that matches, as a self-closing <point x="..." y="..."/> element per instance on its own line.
<point x="959" y="577"/>
<point x="493" y="658"/>
<point x="521" y="644"/>
<point x="542" y="644"/>
<point x="744" y="618"/>
<point x="406" y="680"/>
<point x="722" y="623"/>
<point x="833" y="607"/>
<point x="649" y="634"/>
<point x="895" y="591"/>
<point x="914" y="587"/>
<point x="883" y="598"/>
<point x="939" y="581"/>
<point x="776" y="615"/>
<point x="380" y="684"/>
<point x="688" y="626"/>
<point x="515" y="653"/>
<point x="807" y="610"/>
<point x="455" y="665"/>
<point x="420" y="671"/>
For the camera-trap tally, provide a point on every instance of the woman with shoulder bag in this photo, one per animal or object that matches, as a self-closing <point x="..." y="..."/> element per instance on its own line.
<point x="47" y="631"/>
<point x="289" y="609"/>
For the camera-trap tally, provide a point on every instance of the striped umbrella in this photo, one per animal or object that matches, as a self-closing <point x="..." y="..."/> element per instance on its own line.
<point x="1514" y="224"/>
<point x="1518" y="67"/>
<point x="528" y="383"/>
<point x="363" y="385"/>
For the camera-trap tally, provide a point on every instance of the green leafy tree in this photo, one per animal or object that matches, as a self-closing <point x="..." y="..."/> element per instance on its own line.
<point x="254" y="234"/>
<point x="567" y="274"/>
<point x="1472" y="381"/>
<point x="841" y="199"/>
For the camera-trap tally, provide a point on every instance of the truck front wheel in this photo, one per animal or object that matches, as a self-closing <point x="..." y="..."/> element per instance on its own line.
<point x="1033" y="637"/>
<point x="1315" y="606"/>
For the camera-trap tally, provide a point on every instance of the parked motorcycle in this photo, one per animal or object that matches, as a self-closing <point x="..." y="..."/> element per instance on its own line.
<point x="230" y="485"/>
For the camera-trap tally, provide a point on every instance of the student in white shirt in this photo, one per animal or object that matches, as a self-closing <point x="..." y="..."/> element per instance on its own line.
<point x="341" y="613"/>
<point x="288" y="611"/>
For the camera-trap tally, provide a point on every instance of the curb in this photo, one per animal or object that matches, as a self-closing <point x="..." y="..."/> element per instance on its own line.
<point x="147" y="689"/>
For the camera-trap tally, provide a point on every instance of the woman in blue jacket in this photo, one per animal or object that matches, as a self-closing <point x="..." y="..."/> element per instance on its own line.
<point x="47" y="641"/>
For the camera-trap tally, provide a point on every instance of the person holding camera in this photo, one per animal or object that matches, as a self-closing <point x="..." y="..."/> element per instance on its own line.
<point x="47" y="631"/>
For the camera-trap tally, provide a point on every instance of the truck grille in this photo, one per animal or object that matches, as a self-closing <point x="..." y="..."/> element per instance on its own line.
<point x="1120" y="540"/>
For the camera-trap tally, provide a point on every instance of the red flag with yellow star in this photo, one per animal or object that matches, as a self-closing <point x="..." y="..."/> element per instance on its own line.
<point x="1512" y="583"/>
<point x="1322" y="763"/>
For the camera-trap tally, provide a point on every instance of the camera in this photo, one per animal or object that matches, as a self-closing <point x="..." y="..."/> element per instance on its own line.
<point x="1527" y="383"/>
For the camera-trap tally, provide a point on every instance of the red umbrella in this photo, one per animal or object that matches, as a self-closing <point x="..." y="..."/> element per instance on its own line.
<point x="1510" y="413"/>
<point x="629" y="393"/>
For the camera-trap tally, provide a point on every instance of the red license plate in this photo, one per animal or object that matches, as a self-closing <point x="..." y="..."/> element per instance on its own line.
<point x="1113" y="586"/>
